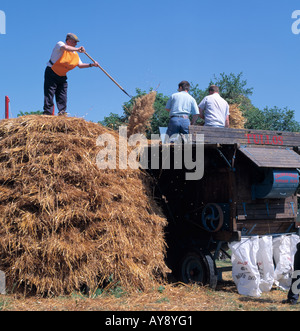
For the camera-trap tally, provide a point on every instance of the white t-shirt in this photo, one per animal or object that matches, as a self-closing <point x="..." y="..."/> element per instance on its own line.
<point x="216" y="110"/>
<point x="57" y="54"/>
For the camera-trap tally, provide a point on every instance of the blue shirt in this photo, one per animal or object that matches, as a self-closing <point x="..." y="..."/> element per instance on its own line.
<point x="182" y="103"/>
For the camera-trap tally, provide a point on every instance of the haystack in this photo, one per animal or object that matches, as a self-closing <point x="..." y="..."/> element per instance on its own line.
<point x="141" y="114"/>
<point x="63" y="222"/>
<point x="237" y="120"/>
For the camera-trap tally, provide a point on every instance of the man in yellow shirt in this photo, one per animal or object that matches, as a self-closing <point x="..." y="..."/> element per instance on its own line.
<point x="63" y="59"/>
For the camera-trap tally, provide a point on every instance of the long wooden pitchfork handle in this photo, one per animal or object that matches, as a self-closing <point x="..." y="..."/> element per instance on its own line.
<point x="107" y="74"/>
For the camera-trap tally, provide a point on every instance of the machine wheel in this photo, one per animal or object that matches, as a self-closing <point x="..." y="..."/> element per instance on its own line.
<point x="212" y="217"/>
<point x="198" y="268"/>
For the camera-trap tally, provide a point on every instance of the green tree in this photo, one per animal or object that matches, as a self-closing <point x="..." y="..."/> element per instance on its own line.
<point x="274" y="119"/>
<point x="197" y="93"/>
<point x="161" y="117"/>
<point x="234" y="89"/>
<point x="38" y="112"/>
<point x="113" y="121"/>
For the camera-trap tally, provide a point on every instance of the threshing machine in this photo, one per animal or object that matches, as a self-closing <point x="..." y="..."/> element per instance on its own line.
<point x="249" y="187"/>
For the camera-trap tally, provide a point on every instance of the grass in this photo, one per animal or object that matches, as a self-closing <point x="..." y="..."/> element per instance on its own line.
<point x="4" y="303"/>
<point x="172" y="297"/>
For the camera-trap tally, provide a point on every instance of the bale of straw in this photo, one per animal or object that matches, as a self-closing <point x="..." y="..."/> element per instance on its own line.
<point x="64" y="222"/>
<point x="237" y="120"/>
<point x="141" y="114"/>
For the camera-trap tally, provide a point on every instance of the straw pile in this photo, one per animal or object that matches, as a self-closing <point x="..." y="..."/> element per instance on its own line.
<point x="237" y="120"/>
<point x="141" y="114"/>
<point x="64" y="222"/>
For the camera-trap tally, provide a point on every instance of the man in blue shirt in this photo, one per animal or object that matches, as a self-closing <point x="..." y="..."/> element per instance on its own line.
<point x="180" y="106"/>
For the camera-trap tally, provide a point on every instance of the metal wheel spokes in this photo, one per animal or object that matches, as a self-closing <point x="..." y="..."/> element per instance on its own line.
<point x="212" y="217"/>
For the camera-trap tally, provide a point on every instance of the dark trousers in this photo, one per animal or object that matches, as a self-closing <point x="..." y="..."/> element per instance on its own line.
<point x="54" y="86"/>
<point x="291" y="295"/>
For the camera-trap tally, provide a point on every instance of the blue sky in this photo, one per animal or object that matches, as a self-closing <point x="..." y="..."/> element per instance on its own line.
<point x="146" y="43"/>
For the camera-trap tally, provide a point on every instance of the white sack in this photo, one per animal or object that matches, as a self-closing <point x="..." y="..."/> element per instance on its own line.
<point x="295" y="239"/>
<point x="244" y="266"/>
<point x="253" y="260"/>
<point x="283" y="261"/>
<point x="265" y="263"/>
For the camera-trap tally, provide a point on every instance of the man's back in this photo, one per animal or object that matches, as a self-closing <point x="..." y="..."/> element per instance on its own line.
<point x="180" y="106"/>
<point x="216" y="110"/>
<point x="182" y="103"/>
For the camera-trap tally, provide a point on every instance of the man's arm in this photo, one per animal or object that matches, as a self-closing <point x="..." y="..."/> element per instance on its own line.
<point x="195" y="119"/>
<point x="227" y="122"/>
<point x="68" y="48"/>
<point x="80" y="49"/>
<point x="201" y="112"/>
<point x="87" y="65"/>
<point x="169" y="105"/>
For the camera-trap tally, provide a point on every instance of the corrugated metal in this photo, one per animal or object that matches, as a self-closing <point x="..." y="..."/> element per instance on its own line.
<point x="272" y="157"/>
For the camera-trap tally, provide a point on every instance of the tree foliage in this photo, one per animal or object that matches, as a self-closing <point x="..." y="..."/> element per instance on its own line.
<point x="38" y="112"/>
<point x="113" y="121"/>
<point x="234" y="89"/>
<point x="274" y="119"/>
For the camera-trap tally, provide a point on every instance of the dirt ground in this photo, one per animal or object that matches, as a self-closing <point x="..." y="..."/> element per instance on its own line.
<point x="175" y="297"/>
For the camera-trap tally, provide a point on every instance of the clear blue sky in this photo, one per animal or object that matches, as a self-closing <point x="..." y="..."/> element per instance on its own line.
<point x="145" y="43"/>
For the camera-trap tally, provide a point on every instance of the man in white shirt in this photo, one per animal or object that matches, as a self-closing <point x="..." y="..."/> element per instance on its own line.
<point x="63" y="59"/>
<point x="214" y="109"/>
